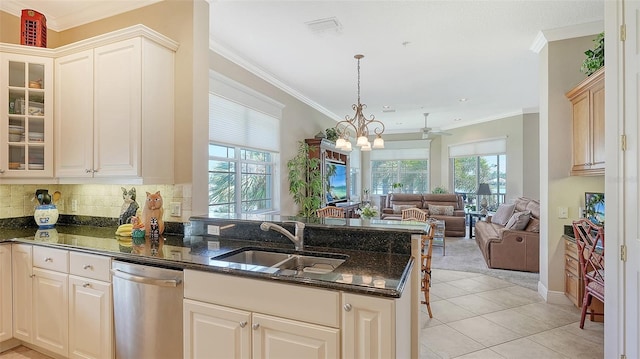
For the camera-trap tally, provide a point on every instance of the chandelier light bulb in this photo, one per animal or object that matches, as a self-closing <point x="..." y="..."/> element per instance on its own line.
<point x="362" y="141"/>
<point x="341" y="143"/>
<point x="378" y="142"/>
<point x="347" y="146"/>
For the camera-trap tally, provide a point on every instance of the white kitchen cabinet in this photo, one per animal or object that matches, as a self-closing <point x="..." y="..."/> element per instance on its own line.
<point x="114" y="112"/>
<point x="277" y="321"/>
<point x="26" y="114"/>
<point x="51" y="310"/>
<point x="6" y="317"/>
<point x="90" y="306"/>
<point x="21" y="256"/>
<point x="367" y="327"/>
<point x="215" y="330"/>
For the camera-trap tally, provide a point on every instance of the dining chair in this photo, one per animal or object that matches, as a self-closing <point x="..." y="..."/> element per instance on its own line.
<point x="425" y="266"/>
<point x="330" y="212"/>
<point x="414" y="214"/>
<point x="590" y="240"/>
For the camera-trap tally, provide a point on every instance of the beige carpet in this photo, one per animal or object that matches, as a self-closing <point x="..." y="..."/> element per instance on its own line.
<point x="463" y="254"/>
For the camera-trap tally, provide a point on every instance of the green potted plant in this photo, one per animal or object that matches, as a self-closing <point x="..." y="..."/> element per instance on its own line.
<point x="595" y="56"/>
<point x="439" y="189"/>
<point x="397" y="186"/>
<point x="305" y="181"/>
<point x="332" y="134"/>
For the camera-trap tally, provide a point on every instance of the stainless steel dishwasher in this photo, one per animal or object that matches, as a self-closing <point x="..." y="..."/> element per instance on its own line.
<point x="147" y="310"/>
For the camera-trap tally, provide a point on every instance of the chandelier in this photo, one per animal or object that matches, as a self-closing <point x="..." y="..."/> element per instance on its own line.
<point x="359" y="126"/>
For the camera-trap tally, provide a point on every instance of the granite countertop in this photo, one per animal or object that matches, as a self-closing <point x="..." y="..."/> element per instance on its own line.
<point x="196" y="252"/>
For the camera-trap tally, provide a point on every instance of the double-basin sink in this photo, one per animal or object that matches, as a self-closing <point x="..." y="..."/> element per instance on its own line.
<point x="286" y="262"/>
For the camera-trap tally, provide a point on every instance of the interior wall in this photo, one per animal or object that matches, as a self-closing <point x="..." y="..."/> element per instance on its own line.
<point x="562" y="73"/>
<point x="531" y="155"/>
<point x="299" y="121"/>
<point x="510" y="127"/>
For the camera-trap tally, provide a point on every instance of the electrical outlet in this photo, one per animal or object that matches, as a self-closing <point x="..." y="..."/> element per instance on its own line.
<point x="74" y="205"/>
<point x="176" y="209"/>
<point x="213" y="230"/>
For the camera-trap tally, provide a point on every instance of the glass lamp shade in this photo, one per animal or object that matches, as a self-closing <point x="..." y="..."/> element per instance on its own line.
<point x="362" y="141"/>
<point x="378" y="142"/>
<point x="340" y="143"/>
<point x="366" y="147"/>
<point x="347" y="146"/>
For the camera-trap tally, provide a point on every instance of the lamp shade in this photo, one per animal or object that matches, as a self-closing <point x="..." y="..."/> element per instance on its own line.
<point x="483" y="189"/>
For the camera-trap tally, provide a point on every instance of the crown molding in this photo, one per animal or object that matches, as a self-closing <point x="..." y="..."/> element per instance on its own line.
<point x="252" y="68"/>
<point x="569" y="32"/>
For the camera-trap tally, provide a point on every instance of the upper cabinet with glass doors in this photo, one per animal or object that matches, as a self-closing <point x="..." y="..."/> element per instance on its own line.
<point x="26" y="116"/>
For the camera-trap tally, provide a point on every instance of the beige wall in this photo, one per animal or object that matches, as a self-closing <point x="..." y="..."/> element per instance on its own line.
<point x="512" y="128"/>
<point x="560" y="71"/>
<point x="531" y="155"/>
<point x="299" y="120"/>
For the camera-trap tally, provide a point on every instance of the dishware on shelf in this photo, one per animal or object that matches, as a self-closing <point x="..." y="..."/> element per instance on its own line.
<point x="14" y="137"/>
<point x="36" y="166"/>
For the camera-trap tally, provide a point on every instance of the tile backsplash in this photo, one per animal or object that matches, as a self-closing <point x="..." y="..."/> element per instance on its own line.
<point x="92" y="200"/>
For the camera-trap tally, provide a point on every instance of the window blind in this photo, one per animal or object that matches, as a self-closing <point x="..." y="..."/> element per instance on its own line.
<point x="402" y="150"/>
<point x="479" y="148"/>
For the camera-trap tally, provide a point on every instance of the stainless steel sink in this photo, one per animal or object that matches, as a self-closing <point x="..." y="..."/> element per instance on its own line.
<point x="256" y="257"/>
<point x="312" y="262"/>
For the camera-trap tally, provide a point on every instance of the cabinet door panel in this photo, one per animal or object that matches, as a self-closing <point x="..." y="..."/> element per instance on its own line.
<point x="275" y="337"/>
<point x="22" y="292"/>
<point x="367" y="327"/>
<point x="215" y="331"/>
<point x="90" y="319"/>
<point x="6" y="327"/>
<point x="581" y="133"/>
<point x="51" y="310"/>
<point x="597" y="119"/>
<point x="117" y="111"/>
<point x="74" y="114"/>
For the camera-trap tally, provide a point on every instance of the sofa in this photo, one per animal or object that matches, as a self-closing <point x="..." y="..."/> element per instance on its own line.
<point x="516" y="244"/>
<point x="442" y="206"/>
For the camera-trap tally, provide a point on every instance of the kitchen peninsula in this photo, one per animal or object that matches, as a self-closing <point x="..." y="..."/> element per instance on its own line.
<point x="374" y="287"/>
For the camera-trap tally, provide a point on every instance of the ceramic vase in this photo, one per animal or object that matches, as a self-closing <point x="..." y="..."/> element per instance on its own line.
<point x="46" y="216"/>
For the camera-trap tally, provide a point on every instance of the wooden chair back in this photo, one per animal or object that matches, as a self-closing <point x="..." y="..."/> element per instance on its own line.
<point x="590" y="240"/>
<point x="414" y="214"/>
<point x="425" y="266"/>
<point x="330" y="212"/>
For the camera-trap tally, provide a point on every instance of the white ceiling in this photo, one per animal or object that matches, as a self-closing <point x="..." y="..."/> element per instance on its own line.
<point x="420" y="56"/>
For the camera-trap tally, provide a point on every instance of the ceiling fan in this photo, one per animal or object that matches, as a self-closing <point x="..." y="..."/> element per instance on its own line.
<point x="428" y="132"/>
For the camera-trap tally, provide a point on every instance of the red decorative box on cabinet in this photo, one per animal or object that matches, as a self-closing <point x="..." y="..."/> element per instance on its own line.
<point x="33" y="28"/>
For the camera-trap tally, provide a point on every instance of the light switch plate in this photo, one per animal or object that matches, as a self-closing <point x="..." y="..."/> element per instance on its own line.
<point x="176" y="209"/>
<point x="213" y="230"/>
<point x="563" y="212"/>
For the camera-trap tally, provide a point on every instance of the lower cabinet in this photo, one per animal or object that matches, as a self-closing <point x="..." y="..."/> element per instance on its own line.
<point x="6" y="302"/>
<point x="231" y="317"/>
<point x="232" y="333"/>
<point x="66" y="314"/>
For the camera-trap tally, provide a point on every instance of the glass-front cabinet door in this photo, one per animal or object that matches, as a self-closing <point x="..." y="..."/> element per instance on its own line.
<point x="26" y="125"/>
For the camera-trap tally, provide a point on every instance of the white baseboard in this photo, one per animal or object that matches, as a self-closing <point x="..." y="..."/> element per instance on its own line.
<point x="552" y="296"/>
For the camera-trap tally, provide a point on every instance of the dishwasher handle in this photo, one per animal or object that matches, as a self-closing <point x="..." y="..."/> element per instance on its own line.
<point x="145" y="280"/>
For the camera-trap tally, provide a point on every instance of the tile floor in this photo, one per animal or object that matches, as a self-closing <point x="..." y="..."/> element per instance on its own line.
<point x="478" y="316"/>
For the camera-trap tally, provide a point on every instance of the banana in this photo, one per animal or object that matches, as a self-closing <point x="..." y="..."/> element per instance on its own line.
<point x="124" y="230"/>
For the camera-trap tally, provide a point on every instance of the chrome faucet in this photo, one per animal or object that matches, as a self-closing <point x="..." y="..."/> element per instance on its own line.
<point x="297" y="238"/>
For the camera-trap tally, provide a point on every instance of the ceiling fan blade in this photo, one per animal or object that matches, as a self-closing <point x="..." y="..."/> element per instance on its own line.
<point x="441" y="133"/>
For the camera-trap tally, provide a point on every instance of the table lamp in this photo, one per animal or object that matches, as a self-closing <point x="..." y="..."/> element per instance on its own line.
<point x="483" y="190"/>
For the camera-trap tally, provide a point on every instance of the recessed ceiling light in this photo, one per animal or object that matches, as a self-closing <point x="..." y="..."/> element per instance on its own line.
<point x="457" y="119"/>
<point x="464" y="99"/>
<point x="330" y="24"/>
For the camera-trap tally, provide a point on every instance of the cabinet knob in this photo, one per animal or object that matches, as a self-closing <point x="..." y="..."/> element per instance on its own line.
<point x="32" y="275"/>
<point x="243" y="324"/>
<point x="255" y="326"/>
<point x="86" y="285"/>
<point x="347" y="307"/>
<point x="1" y="170"/>
<point x="48" y="259"/>
<point x="87" y="170"/>
<point x="94" y="171"/>
<point x="87" y="266"/>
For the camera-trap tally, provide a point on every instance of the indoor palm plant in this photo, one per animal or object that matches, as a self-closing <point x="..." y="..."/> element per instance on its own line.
<point x="305" y="181"/>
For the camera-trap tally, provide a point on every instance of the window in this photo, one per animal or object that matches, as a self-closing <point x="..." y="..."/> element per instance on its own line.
<point x="400" y="162"/>
<point x="413" y="174"/>
<point x="244" y="146"/>
<point x="250" y="171"/>
<point x="469" y="172"/>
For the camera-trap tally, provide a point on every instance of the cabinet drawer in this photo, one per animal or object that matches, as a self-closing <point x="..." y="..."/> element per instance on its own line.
<point x="572" y="265"/>
<point x="571" y="248"/>
<point x="90" y="266"/>
<point x="51" y="258"/>
<point x="296" y="302"/>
